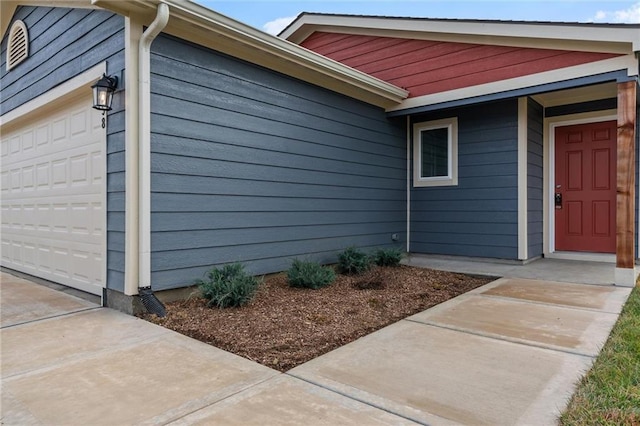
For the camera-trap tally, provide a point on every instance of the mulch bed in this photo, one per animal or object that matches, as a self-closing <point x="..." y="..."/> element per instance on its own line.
<point x="284" y="327"/>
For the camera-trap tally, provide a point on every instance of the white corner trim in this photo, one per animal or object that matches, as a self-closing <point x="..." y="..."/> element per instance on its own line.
<point x="144" y="155"/>
<point x="627" y="62"/>
<point x="523" y="240"/>
<point x="132" y="34"/>
<point x="68" y="88"/>
<point x="550" y="125"/>
<point x="408" y="182"/>
<point x="625" y="277"/>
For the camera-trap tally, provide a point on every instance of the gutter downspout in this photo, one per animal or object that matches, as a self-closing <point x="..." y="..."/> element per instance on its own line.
<point x="144" y="176"/>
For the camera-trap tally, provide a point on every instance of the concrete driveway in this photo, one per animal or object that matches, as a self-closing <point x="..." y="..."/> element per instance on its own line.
<point x="506" y="353"/>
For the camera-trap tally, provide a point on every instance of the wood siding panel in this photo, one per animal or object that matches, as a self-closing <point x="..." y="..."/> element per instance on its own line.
<point x="626" y="175"/>
<point x="251" y="166"/>
<point x="479" y="216"/>
<point x="63" y="44"/>
<point x="425" y="67"/>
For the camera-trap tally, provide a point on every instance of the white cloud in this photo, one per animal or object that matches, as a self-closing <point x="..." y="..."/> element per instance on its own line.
<point x="629" y="16"/>
<point x="274" y="27"/>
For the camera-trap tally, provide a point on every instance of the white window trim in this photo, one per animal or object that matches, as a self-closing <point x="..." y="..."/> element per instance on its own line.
<point x="452" y="177"/>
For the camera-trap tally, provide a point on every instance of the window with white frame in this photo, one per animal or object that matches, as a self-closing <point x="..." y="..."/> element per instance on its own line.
<point x="435" y="153"/>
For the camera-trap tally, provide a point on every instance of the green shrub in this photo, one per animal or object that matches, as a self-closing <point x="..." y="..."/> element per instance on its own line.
<point x="353" y="261"/>
<point x="309" y="275"/>
<point x="388" y="257"/>
<point x="229" y="286"/>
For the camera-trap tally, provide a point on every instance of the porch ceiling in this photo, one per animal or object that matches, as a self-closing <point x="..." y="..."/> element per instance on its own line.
<point x="577" y="95"/>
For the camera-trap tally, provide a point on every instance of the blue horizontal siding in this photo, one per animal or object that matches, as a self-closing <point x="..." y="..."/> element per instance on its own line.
<point x="252" y="166"/>
<point x="597" y="105"/>
<point x="479" y="216"/>
<point x="535" y="128"/>
<point x="64" y="43"/>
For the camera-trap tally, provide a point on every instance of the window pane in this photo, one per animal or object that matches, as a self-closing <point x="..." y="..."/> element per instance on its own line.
<point x="435" y="152"/>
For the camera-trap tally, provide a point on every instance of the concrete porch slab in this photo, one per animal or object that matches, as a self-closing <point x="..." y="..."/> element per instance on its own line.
<point x="22" y="301"/>
<point x="439" y="376"/>
<point x="285" y="400"/>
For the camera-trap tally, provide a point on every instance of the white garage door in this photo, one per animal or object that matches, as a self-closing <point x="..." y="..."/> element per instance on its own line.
<point x="53" y="195"/>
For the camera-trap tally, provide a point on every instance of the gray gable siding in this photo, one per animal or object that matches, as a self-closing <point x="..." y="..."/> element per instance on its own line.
<point x="535" y="123"/>
<point x="479" y="216"/>
<point x="249" y="165"/>
<point x="63" y="44"/>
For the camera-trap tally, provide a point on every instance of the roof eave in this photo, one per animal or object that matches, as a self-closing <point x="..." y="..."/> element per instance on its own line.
<point x="8" y="8"/>
<point x="307" y="23"/>
<point x="203" y="26"/>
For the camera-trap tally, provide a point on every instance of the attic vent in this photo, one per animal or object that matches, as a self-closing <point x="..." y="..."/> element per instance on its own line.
<point x="18" y="45"/>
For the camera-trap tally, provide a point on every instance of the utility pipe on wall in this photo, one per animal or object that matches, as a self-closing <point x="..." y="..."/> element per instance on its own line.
<point x="144" y="177"/>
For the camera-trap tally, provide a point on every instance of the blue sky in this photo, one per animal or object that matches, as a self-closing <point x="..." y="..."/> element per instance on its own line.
<point x="272" y="16"/>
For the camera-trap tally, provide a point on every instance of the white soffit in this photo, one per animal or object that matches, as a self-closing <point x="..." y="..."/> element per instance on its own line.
<point x="580" y="94"/>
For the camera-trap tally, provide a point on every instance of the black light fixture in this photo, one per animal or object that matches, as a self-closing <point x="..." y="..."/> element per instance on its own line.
<point x="103" y="92"/>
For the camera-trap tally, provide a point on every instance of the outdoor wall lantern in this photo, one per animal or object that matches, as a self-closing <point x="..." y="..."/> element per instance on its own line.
<point x="103" y="92"/>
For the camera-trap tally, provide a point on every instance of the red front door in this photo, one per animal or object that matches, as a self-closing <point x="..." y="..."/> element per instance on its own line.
<point x="585" y="187"/>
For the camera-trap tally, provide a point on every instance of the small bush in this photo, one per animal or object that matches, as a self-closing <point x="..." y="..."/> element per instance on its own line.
<point x="354" y="261"/>
<point x="388" y="257"/>
<point x="309" y="275"/>
<point x="228" y="287"/>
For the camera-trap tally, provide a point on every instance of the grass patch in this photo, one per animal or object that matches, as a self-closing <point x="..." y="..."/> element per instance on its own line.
<point x="610" y="392"/>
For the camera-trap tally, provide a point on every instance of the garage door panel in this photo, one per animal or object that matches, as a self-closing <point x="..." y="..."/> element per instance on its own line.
<point x="53" y="197"/>
<point x="53" y="259"/>
<point x="70" y="222"/>
<point x="55" y="192"/>
<point x="73" y="167"/>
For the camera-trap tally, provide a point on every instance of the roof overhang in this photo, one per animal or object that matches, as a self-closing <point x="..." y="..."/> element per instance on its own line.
<point x="614" y="38"/>
<point x="8" y="7"/>
<point x="620" y="39"/>
<point x="198" y="24"/>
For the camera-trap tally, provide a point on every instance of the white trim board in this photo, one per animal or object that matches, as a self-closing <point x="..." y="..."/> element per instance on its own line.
<point x="65" y="90"/>
<point x="558" y="36"/>
<point x="523" y="141"/>
<point x="133" y="32"/>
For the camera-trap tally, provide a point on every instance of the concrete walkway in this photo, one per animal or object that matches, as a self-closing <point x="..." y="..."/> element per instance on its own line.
<point x="506" y="353"/>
